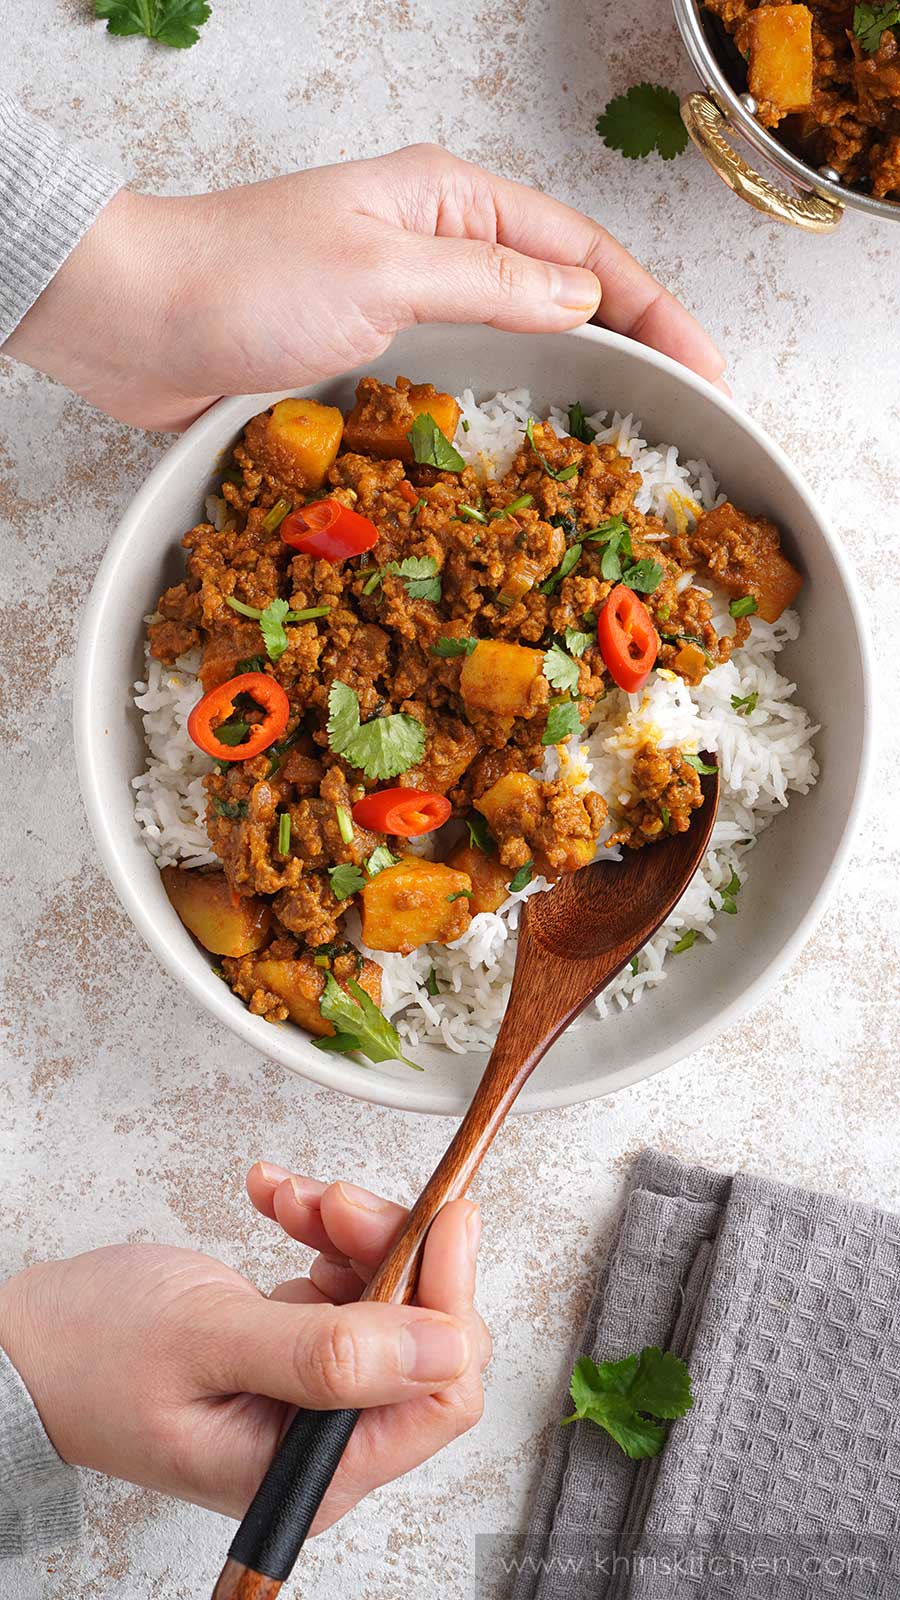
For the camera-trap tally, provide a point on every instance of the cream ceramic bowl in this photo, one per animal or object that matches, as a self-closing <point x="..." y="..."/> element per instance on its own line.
<point x="793" y="868"/>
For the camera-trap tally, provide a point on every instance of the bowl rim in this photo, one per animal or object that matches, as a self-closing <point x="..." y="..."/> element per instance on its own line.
<point x="687" y="16"/>
<point x="419" y="1093"/>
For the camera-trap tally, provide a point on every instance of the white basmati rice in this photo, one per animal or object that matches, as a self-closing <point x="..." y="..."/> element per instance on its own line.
<point x="763" y="758"/>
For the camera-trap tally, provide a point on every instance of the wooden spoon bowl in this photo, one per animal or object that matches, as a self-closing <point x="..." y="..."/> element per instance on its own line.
<point x="572" y="942"/>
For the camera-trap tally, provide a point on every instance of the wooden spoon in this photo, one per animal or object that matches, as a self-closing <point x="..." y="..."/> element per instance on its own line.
<point x="572" y="942"/>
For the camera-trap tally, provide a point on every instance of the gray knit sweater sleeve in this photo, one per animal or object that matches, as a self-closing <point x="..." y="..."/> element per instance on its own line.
<point x="49" y="196"/>
<point x="40" y="1498"/>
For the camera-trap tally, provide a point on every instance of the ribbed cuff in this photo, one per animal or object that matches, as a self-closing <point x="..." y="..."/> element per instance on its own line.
<point x="49" y="196"/>
<point x="40" y="1496"/>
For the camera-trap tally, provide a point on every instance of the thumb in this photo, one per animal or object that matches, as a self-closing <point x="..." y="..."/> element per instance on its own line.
<point x="470" y="280"/>
<point x="327" y="1357"/>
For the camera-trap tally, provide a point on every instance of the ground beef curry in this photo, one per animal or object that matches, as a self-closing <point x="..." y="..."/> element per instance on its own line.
<point x="389" y="642"/>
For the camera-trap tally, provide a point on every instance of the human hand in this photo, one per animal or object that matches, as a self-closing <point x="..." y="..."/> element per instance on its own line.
<point x="166" y="304"/>
<point x="165" y="1367"/>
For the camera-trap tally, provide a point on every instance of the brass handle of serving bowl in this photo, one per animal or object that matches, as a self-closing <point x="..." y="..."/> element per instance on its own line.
<point x="706" y="125"/>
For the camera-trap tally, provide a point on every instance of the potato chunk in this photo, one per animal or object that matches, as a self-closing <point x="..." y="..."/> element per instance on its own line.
<point x="204" y="902"/>
<point x="490" y="880"/>
<point x="307" y="435"/>
<point x="416" y="902"/>
<point x="300" y="984"/>
<point x="781" y="56"/>
<point x="378" y="425"/>
<point x="514" y="795"/>
<point x="499" y="678"/>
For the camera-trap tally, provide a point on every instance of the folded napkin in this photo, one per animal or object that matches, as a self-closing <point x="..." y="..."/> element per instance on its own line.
<point x="783" y="1481"/>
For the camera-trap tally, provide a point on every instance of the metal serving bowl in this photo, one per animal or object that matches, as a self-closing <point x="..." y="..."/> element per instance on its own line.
<point x="816" y="202"/>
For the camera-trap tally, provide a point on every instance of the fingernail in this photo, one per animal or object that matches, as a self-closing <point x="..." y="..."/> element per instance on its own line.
<point x="473" y="1231"/>
<point x="725" y="387"/>
<point x="362" y="1198"/>
<point x="271" y="1173"/>
<point x="433" y="1352"/>
<point x="306" y="1191"/>
<point x="575" y="288"/>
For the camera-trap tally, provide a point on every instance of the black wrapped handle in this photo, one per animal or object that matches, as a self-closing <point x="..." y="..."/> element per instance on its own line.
<point x="281" y="1512"/>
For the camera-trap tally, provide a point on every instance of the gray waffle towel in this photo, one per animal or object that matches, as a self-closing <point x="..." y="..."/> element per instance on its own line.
<point x="783" y="1481"/>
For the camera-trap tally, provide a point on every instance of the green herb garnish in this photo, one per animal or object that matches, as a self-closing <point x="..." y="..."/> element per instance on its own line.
<point x="565" y="473"/>
<point x="432" y="986"/>
<point x="356" y="1017"/>
<point x="382" y="748"/>
<point x="744" y="704"/>
<point x="431" y="448"/>
<point x="870" y="22"/>
<point x="284" y="833"/>
<point x="644" y="576"/>
<point x="623" y="1396"/>
<point x="646" y="117"/>
<point x="232" y="733"/>
<point x="744" y="607"/>
<point x="522" y="878"/>
<point x="562" y="720"/>
<point x="346" y="880"/>
<point x="471" y="513"/>
<point x="686" y="942"/>
<point x="698" y="764"/>
<point x="232" y="809"/>
<point x="276" y="515"/>
<point x="665" y="817"/>
<point x="577" y="642"/>
<point x="447" y="648"/>
<point x="273" y="619"/>
<point x="569" y="561"/>
<point x="250" y="664"/>
<point x="345" y="824"/>
<point x="560" y="669"/>
<point x="633" y="965"/>
<point x="172" y="22"/>
<point x="479" y="833"/>
<point x="728" y="894"/>
<point x="419" y="574"/>
<point x="579" y="428"/>
<point x="523" y="501"/>
<point x="461" y="894"/>
<point x="380" y="859"/>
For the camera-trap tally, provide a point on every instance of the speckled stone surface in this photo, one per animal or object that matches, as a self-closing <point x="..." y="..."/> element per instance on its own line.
<point x="124" y="1113"/>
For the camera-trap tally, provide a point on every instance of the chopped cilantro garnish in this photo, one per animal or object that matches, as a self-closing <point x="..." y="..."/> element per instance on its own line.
<point x="431" y="447"/>
<point x="870" y="22"/>
<point x="172" y="22"/>
<point x="614" y="528"/>
<point x="479" y="833"/>
<point x="465" y="425"/>
<point x="345" y="824"/>
<point x="646" y="117"/>
<point x="562" y="720"/>
<point x="727" y="895"/>
<point x="744" y="704"/>
<point x="250" y="664"/>
<point x="577" y="642"/>
<point x="358" y="1019"/>
<point x="564" y="474"/>
<point x="686" y="942"/>
<point x="273" y="619"/>
<point x="232" y="733"/>
<point x="623" y="1396"/>
<point x="560" y="669"/>
<point x="644" y="576"/>
<point x="382" y="748"/>
<point x="461" y="894"/>
<point x="633" y="965"/>
<point x="232" y="809"/>
<point x="523" y="501"/>
<point x="432" y="986"/>
<point x="579" y="428"/>
<point x="569" y="561"/>
<point x="446" y="647"/>
<point x="522" y="878"/>
<point x="744" y="607"/>
<point x="665" y="817"/>
<point x="380" y="859"/>
<point x="284" y="833"/>
<point x="419" y="574"/>
<point x="346" y="880"/>
<point x="698" y="764"/>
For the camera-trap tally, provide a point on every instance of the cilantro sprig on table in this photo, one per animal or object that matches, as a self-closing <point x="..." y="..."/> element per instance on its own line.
<point x="645" y="118"/>
<point x="172" y="22"/>
<point x="623" y="1398"/>
<point x="870" y="22"/>
<point x="359" y="1024"/>
<point x="381" y="748"/>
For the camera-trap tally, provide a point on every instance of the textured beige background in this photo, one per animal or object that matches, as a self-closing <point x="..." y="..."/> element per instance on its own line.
<point x="123" y="1112"/>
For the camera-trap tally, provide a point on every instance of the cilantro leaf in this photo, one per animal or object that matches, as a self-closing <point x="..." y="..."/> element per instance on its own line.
<point x="623" y="1396"/>
<point x="273" y="619"/>
<point x="432" y="986"/>
<point x="728" y="894"/>
<point x="356" y="1016"/>
<point x="522" y="878"/>
<point x="579" y="428"/>
<point x="380" y="859"/>
<point x="870" y="22"/>
<point x="419" y="575"/>
<point x="346" y="880"/>
<point x="382" y="748"/>
<point x="698" y="764"/>
<point x="232" y="809"/>
<point x="744" y="704"/>
<point x="645" y="118"/>
<point x="461" y="894"/>
<point x="744" y="607"/>
<point x="479" y="833"/>
<point x="560" y="669"/>
<point x="431" y="447"/>
<point x="608" y="530"/>
<point x="686" y="942"/>
<point x="445" y="647"/>
<point x="172" y="22"/>
<point x="577" y="642"/>
<point x="569" y="561"/>
<point x="644" y="576"/>
<point x="250" y="664"/>
<point x="232" y="733"/>
<point x="564" y="474"/>
<point x="562" y="720"/>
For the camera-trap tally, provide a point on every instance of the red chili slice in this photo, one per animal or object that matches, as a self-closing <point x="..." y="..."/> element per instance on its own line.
<point x="407" y="812"/>
<point x="217" y="707"/>
<point x="627" y="639"/>
<point x="328" y="530"/>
